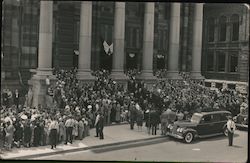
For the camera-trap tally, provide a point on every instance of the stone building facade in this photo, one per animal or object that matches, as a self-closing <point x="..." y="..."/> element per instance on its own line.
<point x="209" y="40"/>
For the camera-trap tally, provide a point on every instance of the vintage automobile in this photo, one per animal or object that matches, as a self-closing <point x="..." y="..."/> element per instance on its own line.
<point x="241" y="121"/>
<point x="201" y="125"/>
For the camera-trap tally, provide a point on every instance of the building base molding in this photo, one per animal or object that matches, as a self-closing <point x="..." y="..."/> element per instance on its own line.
<point x="85" y="75"/>
<point x="148" y="78"/>
<point x="173" y="75"/>
<point x="196" y="75"/>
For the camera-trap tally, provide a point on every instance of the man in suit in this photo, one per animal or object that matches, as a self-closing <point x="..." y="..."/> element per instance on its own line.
<point x="132" y="115"/>
<point x="101" y="125"/>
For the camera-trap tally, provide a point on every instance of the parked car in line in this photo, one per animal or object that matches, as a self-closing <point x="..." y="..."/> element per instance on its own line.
<point x="241" y="121"/>
<point x="201" y="125"/>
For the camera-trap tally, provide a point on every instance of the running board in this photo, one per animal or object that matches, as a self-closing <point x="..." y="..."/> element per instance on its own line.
<point x="211" y="135"/>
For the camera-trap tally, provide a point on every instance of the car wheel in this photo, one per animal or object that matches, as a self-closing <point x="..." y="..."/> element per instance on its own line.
<point x="225" y="131"/>
<point x="188" y="138"/>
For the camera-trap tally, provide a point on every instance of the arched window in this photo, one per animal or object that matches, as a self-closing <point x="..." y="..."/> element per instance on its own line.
<point x="211" y="25"/>
<point x="235" y="27"/>
<point x="222" y="28"/>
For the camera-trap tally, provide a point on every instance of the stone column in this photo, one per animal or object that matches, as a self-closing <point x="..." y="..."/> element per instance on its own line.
<point x="117" y="72"/>
<point x="44" y="69"/>
<point x="148" y="44"/>
<point x="197" y="42"/>
<point x="174" y="42"/>
<point x="84" y="62"/>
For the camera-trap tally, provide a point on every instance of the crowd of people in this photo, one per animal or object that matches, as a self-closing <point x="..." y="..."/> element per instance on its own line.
<point x="79" y="106"/>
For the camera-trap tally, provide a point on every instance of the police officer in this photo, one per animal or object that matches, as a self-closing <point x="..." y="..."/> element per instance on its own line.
<point x="231" y="128"/>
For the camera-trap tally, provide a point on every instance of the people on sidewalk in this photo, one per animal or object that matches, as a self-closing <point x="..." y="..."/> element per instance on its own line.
<point x="132" y="115"/>
<point x="101" y="125"/>
<point x="69" y="124"/>
<point x="97" y="124"/>
<point x="53" y="129"/>
<point x="9" y="130"/>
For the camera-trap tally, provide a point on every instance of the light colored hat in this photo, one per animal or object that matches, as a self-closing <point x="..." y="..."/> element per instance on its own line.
<point x="89" y="107"/>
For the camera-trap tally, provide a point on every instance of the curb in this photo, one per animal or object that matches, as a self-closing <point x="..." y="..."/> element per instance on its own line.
<point x="84" y="148"/>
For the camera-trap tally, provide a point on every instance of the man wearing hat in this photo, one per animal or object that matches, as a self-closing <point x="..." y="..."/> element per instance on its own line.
<point x="231" y="128"/>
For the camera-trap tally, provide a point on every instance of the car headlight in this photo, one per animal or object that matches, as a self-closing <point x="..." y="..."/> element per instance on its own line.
<point x="170" y="126"/>
<point x="180" y="129"/>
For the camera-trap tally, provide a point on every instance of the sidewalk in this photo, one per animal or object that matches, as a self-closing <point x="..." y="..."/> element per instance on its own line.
<point x="113" y="135"/>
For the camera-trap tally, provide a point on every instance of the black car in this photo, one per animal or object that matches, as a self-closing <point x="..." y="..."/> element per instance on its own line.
<point x="241" y="121"/>
<point x="201" y="125"/>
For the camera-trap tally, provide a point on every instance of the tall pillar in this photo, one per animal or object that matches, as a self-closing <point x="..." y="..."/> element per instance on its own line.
<point x="197" y="42"/>
<point x="44" y="55"/>
<point x="148" y="44"/>
<point x="174" y="42"/>
<point x="117" y="72"/>
<point x="84" y="61"/>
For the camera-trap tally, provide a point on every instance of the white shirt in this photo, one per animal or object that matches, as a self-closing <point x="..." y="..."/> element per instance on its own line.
<point x="97" y="119"/>
<point x="47" y="81"/>
<point x="231" y="125"/>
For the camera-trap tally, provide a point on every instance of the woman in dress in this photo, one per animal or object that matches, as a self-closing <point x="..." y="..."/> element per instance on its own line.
<point x="80" y="128"/>
<point x="9" y="130"/>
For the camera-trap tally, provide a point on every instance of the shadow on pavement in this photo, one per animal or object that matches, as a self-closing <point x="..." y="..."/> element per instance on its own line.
<point x="130" y="145"/>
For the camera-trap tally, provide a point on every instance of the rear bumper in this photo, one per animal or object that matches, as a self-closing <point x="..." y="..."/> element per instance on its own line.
<point x="174" y="135"/>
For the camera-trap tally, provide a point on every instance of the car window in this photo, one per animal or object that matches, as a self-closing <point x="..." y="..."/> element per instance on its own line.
<point x="206" y="119"/>
<point x="224" y="116"/>
<point x="216" y="117"/>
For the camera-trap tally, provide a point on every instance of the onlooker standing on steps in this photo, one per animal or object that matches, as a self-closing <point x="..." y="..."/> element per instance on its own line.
<point x="69" y="124"/>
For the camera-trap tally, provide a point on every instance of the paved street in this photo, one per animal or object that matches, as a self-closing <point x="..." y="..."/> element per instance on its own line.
<point x="213" y="149"/>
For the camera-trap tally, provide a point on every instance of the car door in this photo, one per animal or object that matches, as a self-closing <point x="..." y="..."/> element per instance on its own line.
<point x="205" y="127"/>
<point x="217" y="123"/>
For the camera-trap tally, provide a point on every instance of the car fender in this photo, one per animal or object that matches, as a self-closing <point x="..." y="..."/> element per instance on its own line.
<point x="190" y="130"/>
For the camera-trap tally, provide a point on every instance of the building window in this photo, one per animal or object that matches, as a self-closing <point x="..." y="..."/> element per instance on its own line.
<point x="235" y="27"/>
<point x="222" y="28"/>
<point x="233" y="63"/>
<point x="221" y="57"/>
<point x="210" y="61"/>
<point x="211" y="29"/>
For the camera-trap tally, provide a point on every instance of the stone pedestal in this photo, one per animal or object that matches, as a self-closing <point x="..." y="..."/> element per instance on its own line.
<point x="39" y="88"/>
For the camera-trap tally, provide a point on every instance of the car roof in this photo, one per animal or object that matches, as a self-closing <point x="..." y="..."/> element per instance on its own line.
<point x="214" y="112"/>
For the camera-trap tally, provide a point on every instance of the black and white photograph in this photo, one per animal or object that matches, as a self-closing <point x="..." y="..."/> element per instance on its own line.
<point x="124" y="81"/>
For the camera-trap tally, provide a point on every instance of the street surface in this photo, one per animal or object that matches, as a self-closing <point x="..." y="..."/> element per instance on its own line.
<point x="213" y="149"/>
